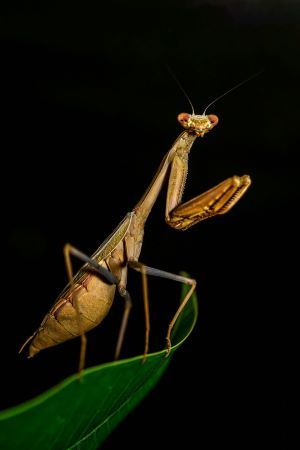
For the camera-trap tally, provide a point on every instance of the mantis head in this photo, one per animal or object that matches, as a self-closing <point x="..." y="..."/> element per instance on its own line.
<point x="198" y="124"/>
<point x="201" y="124"/>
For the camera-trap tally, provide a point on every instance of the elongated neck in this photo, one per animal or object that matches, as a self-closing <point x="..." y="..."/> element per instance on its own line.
<point x="182" y="145"/>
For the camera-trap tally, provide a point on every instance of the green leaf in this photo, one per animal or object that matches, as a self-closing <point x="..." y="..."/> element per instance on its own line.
<point x="76" y="415"/>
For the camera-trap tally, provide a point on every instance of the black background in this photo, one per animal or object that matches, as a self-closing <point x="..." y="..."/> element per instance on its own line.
<point x="89" y="109"/>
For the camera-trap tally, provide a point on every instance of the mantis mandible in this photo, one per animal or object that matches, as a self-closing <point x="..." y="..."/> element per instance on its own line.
<point x="87" y="298"/>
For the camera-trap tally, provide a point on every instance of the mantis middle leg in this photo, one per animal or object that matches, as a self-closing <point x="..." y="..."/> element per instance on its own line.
<point x="146" y="270"/>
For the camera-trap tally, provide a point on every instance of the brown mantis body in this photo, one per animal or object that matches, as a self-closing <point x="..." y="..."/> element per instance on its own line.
<point x="89" y="295"/>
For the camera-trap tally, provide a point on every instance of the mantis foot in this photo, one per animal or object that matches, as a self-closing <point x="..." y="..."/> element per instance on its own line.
<point x="169" y="345"/>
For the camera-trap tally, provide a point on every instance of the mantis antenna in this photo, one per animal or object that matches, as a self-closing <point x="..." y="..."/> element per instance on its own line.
<point x="230" y="90"/>
<point x="181" y="87"/>
<point x="216" y="99"/>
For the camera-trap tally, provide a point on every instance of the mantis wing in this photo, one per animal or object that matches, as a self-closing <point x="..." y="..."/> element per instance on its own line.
<point x="102" y="252"/>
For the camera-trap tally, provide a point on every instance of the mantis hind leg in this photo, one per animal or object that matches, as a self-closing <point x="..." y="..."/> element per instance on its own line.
<point x="69" y="251"/>
<point x="146" y="270"/>
<point x="127" y="308"/>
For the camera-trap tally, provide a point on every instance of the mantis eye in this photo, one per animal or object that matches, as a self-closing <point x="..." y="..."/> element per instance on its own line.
<point x="183" y="118"/>
<point x="213" y="119"/>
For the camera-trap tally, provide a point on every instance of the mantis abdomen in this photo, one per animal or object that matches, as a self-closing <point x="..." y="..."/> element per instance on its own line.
<point x="94" y="298"/>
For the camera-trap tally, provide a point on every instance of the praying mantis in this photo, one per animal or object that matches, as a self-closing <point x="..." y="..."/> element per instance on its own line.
<point x="89" y="295"/>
